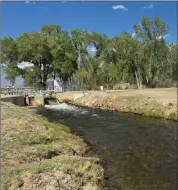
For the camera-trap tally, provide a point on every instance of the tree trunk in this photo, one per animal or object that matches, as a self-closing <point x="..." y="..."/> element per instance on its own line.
<point x="123" y="76"/>
<point x="140" y="83"/>
<point x="54" y="76"/>
<point x="136" y="76"/>
<point x="44" y="86"/>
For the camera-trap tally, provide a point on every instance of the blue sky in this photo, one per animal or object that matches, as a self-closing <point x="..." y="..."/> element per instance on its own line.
<point x="109" y="18"/>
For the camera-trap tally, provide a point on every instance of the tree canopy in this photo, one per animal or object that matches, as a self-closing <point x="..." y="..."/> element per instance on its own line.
<point x="141" y="60"/>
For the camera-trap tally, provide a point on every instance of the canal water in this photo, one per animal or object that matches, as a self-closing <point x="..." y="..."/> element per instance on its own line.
<point x="137" y="152"/>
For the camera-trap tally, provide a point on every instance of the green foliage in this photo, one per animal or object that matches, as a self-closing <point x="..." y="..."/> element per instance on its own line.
<point x="154" y="50"/>
<point x="172" y="116"/>
<point x="143" y="60"/>
<point x="9" y="50"/>
<point x="12" y="75"/>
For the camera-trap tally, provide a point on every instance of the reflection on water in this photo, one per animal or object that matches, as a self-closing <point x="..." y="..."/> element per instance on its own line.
<point x="139" y="153"/>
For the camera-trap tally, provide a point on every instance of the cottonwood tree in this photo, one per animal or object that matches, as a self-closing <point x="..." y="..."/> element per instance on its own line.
<point x="9" y="56"/>
<point x="80" y="41"/>
<point x="48" y="50"/>
<point x="64" y="56"/>
<point x="151" y="34"/>
<point x="121" y="53"/>
<point x="143" y="60"/>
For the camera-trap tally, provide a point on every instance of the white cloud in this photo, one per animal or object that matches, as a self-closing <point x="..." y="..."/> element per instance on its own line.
<point x="158" y="38"/>
<point x="120" y="7"/>
<point x="93" y="49"/>
<point x="167" y="35"/>
<point x="30" y="2"/>
<point x="148" y="6"/>
<point x="133" y="34"/>
<point x="24" y="65"/>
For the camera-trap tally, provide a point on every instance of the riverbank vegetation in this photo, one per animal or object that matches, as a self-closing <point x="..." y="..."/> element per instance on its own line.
<point x="89" y="60"/>
<point x="37" y="154"/>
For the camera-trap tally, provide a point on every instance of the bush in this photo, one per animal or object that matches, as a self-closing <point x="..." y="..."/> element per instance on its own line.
<point x="123" y="86"/>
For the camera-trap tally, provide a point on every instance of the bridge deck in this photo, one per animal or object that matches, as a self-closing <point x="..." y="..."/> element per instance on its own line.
<point x="27" y="91"/>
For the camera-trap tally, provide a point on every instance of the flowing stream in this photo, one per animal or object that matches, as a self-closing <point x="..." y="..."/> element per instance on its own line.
<point x="138" y="152"/>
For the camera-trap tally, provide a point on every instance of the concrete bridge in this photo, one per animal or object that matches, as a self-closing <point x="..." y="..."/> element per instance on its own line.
<point x="26" y="95"/>
<point x="25" y="91"/>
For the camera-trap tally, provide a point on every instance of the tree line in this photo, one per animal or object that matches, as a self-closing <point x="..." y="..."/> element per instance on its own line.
<point x="140" y="60"/>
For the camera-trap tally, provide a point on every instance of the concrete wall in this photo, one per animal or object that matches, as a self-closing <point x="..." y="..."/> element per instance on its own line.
<point x="17" y="100"/>
<point x="37" y="100"/>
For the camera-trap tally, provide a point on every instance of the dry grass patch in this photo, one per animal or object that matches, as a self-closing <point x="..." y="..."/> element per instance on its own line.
<point x="34" y="149"/>
<point x="64" y="173"/>
<point x="139" y="104"/>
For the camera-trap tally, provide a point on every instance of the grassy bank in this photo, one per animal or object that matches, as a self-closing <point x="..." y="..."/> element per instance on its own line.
<point x="37" y="154"/>
<point x="138" y="102"/>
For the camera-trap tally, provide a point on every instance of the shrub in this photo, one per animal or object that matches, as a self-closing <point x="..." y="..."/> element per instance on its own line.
<point x="123" y="86"/>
